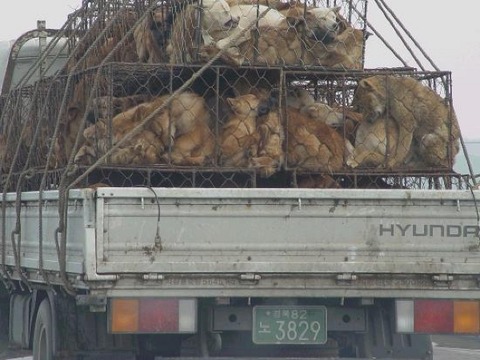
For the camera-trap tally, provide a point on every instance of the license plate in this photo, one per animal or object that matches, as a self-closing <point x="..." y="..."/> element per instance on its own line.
<point x="289" y="325"/>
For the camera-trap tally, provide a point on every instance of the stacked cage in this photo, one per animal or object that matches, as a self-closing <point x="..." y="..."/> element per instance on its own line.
<point x="228" y="94"/>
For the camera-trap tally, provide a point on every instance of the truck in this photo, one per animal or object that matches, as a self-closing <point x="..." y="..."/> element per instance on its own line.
<point x="103" y="259"/>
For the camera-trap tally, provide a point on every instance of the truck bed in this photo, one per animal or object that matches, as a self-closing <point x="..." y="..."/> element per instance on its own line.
<point x="230" y="241"/>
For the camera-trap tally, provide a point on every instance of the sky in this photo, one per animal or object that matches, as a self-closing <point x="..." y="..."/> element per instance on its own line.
<point x="450" y="37"/>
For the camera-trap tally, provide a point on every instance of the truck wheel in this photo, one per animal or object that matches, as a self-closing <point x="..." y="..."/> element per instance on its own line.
<point x="43" y="333"/>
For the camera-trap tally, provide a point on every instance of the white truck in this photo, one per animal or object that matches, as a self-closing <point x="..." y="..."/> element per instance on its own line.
<point x="116" y="261"/>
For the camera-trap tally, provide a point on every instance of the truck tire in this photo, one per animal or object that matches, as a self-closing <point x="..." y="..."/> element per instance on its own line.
<point x="43" y="332"/>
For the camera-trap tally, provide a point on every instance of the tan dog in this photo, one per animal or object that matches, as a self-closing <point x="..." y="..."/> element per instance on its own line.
<point x="345" y="51"/>
<point x="428" y="130"/>
<point x="68" y="130"/>
<point x="270" y="155"/>
<point x="105" y="107"/>
<point x="313" y="37"/>
<point x="239" y="137"/>
<point x="313" y="145"/>
<point x="142" y="149"/>
<point x="151" y="36"/>
<point x="193" y="140"/>
<point x="181" y="126"/>
<point x="375" y="142"/>
<point x="216" y="22"/>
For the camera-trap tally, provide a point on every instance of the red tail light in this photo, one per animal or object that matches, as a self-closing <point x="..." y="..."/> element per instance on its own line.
<point x="438" y="316"/>
<point x="433" y="316"/>
<point x="152" y="315"/>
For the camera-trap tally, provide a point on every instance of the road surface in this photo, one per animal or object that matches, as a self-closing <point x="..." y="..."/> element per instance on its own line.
<point x="445" y="348"/>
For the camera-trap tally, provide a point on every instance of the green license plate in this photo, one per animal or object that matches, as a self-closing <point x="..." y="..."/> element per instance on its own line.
<point x="289" y="324"/>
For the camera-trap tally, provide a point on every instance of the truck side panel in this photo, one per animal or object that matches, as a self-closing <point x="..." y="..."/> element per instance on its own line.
<point x="287" y="231"/>
<point x="28" y="242"/>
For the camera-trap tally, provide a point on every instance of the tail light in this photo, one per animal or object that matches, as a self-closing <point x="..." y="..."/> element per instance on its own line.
<point x="438" y="316"/>
<point x="152" y="315"/>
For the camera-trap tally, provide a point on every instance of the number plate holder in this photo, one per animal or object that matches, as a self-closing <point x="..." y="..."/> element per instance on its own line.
<point x="285" y="324"/>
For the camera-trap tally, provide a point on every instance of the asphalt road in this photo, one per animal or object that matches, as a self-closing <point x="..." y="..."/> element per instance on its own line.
<point x="456" y="347"/>
<point x="445" y="348"/>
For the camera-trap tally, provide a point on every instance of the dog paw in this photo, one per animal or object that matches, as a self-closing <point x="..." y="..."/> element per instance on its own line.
<point x="352" y="163"/>
<point x="207" y="52"/>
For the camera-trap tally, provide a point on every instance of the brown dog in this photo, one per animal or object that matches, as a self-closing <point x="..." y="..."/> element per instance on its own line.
<point x="239" y="137"/>
<point x="313" y="145"/>
<point x="270" y="155"/>
<point x="106" y="107"/>
<point x="151" y="36"/>
<point x="428" y="130"/>
<point x="182" y="127"/>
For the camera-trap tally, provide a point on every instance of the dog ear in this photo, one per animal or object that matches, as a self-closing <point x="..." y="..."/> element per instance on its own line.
<point x="295" y="19"/>
<point x="367" y="34"/>
<point x="366" y="84"/>
<point x="231" y="101"/>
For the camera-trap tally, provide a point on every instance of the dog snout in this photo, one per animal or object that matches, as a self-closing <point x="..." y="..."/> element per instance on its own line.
<point x="263" y="109"/>
<point x="92" y="117"/>
<point x="323" y="35"/>
<point x="233" y="22"/>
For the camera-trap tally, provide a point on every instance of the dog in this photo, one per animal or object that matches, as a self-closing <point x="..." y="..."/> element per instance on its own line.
<point x="179" y="133"/>
<point x="105" y="107"/>
<point x="313" y="145"/>
<point x="193" y="142"/>
<point x="271" y="136"/>
<point x="281" y="42"/>
<point x="428" y="130"/>
<point x="239" y="137"/>
<point x="217" y="23"/>
<point x="375" y="142"/>
<point x="152" y="35"/>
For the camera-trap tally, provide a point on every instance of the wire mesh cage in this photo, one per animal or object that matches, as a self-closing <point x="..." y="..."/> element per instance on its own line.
<point x="124" y="112"/>
<point x="313" y="33"/>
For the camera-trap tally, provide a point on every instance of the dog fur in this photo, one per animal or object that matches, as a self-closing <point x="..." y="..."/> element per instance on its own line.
<point x="312" y="145"/>
<point x="374" y="143"/>
<point x="105" y="107"/>
<point x="239" y="137"/>
<point x="178" y="134"/>
<point x="217" y="23"/>
<point x="152" y="36"/>
<point x="428" y="131"/>
<point x="270" y="155"/>
<point x="189" y="128"/>
<point x="303" y="38"/>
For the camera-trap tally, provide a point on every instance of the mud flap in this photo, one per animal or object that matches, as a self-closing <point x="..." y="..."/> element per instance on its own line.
<point x="381" y="342"/>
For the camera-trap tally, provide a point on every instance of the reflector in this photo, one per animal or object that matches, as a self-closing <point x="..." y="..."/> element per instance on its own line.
<point x="466" y="317"/>
<point x="124" y="315"/>
<point x="153" y="315"/>
<point x="187" y="317"/>
<point x="404" y="316"/>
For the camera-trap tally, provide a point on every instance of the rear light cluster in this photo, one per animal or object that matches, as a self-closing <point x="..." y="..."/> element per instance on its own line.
<point x="152" y="315"/>
<point x="438" y="316"/>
